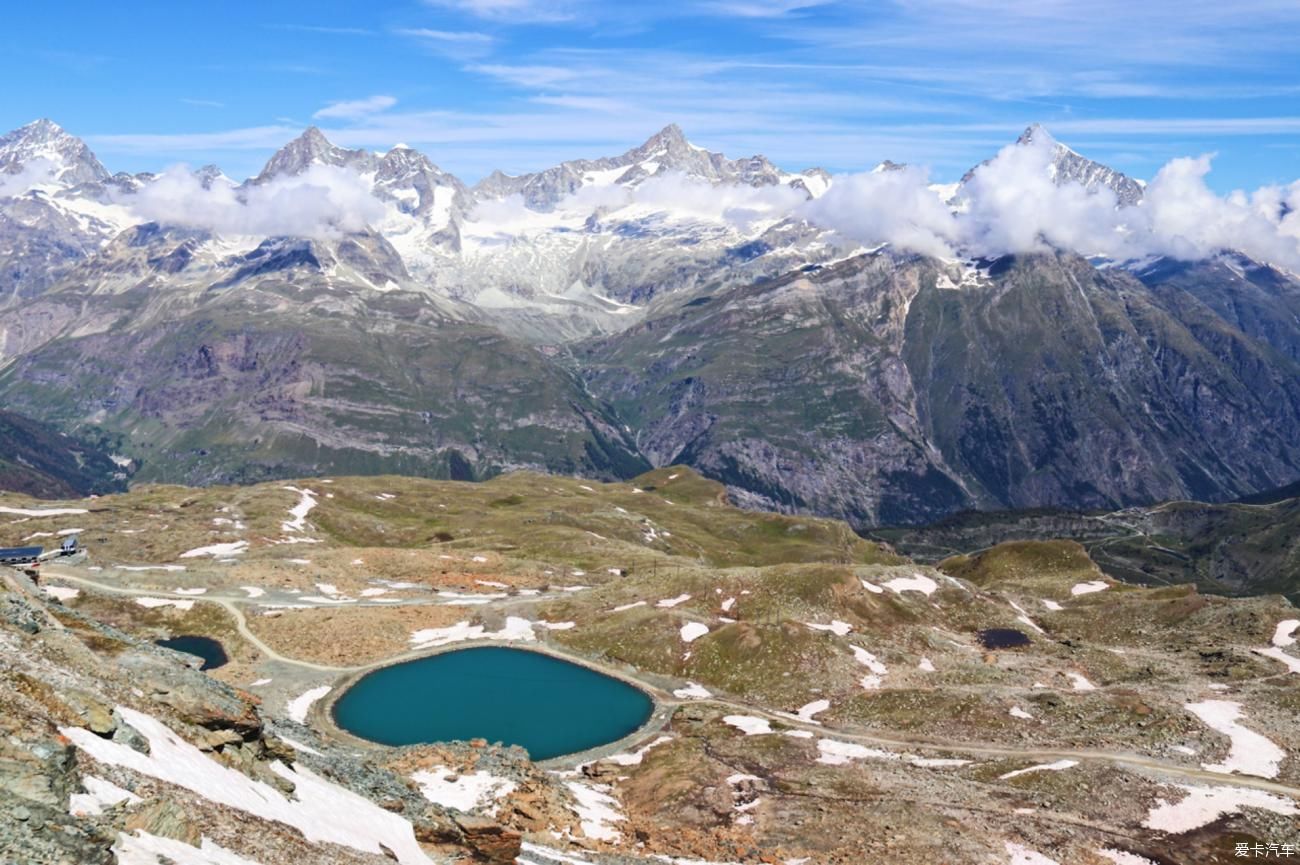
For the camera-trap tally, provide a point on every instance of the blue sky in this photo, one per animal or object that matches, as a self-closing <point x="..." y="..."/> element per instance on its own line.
<point x="522" y="84"/>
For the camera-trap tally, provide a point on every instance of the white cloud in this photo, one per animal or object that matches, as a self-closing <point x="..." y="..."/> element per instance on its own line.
<point x="1013" y="206"/>
<point x="761" y="8"/>
<point x="460" y="44"/>
<point x="514" y="11"/>
<point x="322" y="201"/>
<point x="33" y="173"/>
<point x="527" y="76"/>
<point x="895" y="207"/>
<point x="356" y="108"/>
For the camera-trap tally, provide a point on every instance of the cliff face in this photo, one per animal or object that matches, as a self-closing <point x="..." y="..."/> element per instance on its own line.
<point x="891" y="390"/>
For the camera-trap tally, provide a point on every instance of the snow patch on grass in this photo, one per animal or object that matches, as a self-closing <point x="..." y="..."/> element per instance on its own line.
<point x="672" y="602"/>
<point x="1089" y="587"/>
<point x="597" y="811"/>
<point x="836" y="627"/>
<point x="749" y="725"/>
<point x="915" y="583"/>
<point x="233" y="548"/>
<point x="692" y="691"/>
<point x="692" y="631"/>
<point x="152" y="603"/>
<point x="100" y="794"/>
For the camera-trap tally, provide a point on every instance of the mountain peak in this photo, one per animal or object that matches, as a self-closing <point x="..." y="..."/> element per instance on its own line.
<point x="312" y="148"/>
<point x="669" y="138"/>
<point x="44" y="144"/>
<point x="1036" y="132"/>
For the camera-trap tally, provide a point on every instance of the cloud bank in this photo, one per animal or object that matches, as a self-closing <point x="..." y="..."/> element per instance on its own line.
<point x="323" y="201"/>
<point x="1012" y="205"/>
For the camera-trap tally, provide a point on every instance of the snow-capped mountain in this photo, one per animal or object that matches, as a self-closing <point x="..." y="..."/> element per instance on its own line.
<point x="47" y="155"/>
<point x="1068" y="166"/>
<point x="666" y="305"/>
<point x="665" y="152"/>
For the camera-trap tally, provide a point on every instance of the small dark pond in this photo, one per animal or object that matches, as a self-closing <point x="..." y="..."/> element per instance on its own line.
<point x="549" y="706"/>
<point x="1002" y="638"/>
<point x="208" y="649"/>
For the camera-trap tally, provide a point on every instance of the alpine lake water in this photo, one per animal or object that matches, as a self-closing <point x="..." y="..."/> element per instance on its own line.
<point x="518" y="697"/>
<point x="208" y="649"/>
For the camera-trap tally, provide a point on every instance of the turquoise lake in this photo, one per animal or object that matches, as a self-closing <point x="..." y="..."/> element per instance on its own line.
<point x="514" y="696"/>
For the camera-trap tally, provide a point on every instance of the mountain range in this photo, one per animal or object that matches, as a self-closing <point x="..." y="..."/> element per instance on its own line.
<point x="347" y="311"/>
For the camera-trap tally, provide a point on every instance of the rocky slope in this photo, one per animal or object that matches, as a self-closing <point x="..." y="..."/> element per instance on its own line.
<point x="818" y="697"/>
<point x="891" y="389"/>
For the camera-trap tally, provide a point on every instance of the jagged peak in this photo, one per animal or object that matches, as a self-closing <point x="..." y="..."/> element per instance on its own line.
<point x="1036" y="132"/>
<point x="669" y="138"/>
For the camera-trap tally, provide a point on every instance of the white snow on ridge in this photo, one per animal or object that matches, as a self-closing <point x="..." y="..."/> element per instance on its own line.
<point x="1089" y="587"/>
<point x="62" y="593"/>
<point x="816" y="707"/>
<point x="692" y="691"/>
<point x="1250" y="753"/>
<point x="515" y="629"/>
<point x="634" y="758"/>
<point x="1278" y="655"/>
<point x="321" y="810"/>
<point x="672" y="602"/>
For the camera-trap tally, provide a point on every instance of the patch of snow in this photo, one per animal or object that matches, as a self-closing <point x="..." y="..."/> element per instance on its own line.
<point x="748" y="724"/>
<point x="836" y="627"/>
<point x="728" y="604"/>
<point x="872" y="663"/>
<point x="196" y="591"/>
<point x="1058" y="766"/>
<point x="299" y="746"/>
<point x="597" y="811"/>
<point x="1080" y="682"/>
<point x="171" y="568"/>
<point x="515" y="629"/>
<point x="259" y="682"/>
<point x="1024" y="619"/>
<point x="915" y="583"/>
<point x="463" y="792"/>
<point x="233" y="548"/>
<point x="1017" y="712"/>
<point x="1089" y="587"/>
<point x="672" y="602"/>
<point x="871" y="587"/>
<point x="1052" y="605"/>
<point x="322" y="811"/>
<point x="143" y="848"/>
<point x="692" y="631"/>
<point x="806" y="712"/>
<point x="1203" y="805"/>
<point x="1250" y="753"/>
<point x="635" y="757"/>
<point x="1284" y="634"/>
<point x="1123" y="857"/>
<point x="836" y="753"/>
<point x="63" y="593"/>
<point x="692" y="691"/>
<point x="299" y="512"/>
<point x="630" y="606"/>
<point x="100" y="794"/>
<point x="254" y="591"/>
<point x="43" y="512"/>
<point x="299" y="706"/>
<point x="925" y="665"/>
<point x="1278" y="655"/>
<point x="151" y="603"/>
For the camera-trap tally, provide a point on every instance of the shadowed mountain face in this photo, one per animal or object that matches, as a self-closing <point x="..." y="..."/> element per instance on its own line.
<point x="870" y="391"/>
<point x="40" y="461"/>
<point x="470" y="331"/>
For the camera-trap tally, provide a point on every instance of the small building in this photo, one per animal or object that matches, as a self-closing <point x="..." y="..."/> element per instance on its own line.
<point x="69" y="546"/>
<point x="20" y="555"/>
